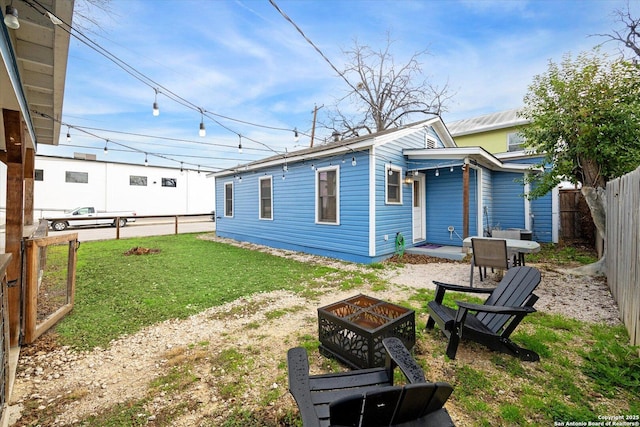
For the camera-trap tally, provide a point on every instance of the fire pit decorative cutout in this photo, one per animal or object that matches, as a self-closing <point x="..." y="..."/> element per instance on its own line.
<point x="352" y="330"/>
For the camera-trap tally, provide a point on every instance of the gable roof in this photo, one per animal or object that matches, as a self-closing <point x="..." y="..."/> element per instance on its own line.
<point x="349" y="145"/>
<point x="486" y="122"/>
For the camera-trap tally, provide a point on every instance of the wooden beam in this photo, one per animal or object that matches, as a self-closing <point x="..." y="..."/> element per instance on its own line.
<point x="29" y="180"/>
<point x="14" y="228"/>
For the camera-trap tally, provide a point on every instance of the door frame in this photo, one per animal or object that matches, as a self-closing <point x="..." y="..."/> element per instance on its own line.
<point x="421" y="208"/>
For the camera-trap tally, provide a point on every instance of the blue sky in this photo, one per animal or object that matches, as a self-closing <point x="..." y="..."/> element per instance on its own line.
<point x="241" y="59"/>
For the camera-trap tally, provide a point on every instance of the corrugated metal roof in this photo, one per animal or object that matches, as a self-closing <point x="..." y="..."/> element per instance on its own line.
<point x="486" y="122"/>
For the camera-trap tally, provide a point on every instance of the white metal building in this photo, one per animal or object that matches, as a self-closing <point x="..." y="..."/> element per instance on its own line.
<point x="63" y="183"/>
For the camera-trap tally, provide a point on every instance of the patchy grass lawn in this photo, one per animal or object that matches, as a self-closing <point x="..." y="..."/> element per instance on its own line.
<point x="586" y="370"/>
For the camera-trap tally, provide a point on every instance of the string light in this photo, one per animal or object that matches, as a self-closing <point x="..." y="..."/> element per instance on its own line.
<point x="239" y="143"/>
<point x="353" y="161"/>
<point x="144" y="79"/>
<point x="437" y="172"/>
<point x="203" y="131"/>
<point x="106" y="150"/>
<point x="181" y="168"/>
<point x="451" y="168"/>
<point x="68" y="135"/>
<point x="296" y="136"/>
<point x="146" y="162"/>
<point x="156" y="110"/>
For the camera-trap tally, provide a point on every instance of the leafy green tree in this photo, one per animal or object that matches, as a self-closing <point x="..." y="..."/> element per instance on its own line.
<point x="584" y="118"/>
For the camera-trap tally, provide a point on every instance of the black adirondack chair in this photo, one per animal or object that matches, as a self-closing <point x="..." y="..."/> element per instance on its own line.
<point x="494" y="320"/>
<point x="367" y="397"/>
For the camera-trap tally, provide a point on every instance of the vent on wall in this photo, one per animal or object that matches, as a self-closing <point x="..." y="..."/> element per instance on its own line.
<point x="430" y="142"/>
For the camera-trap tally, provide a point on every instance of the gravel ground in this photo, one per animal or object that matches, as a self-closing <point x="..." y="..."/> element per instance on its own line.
<point x="74" y="385"/>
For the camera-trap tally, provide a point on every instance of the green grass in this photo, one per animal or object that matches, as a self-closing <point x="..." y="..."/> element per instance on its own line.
<point x="118" y="294"/>
<point x="585" y="370"/>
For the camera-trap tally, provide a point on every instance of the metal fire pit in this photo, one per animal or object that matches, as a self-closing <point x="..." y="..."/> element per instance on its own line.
<point x="352" y="330"/>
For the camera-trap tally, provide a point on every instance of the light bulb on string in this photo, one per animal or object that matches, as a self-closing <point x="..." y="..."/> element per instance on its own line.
<point x="156" y="110"/>
<point x="181" y="168"/>
<point x="146" y="162"/>
<point x="296" y="135"/>
<point x="106" y="150"/>
<point x="239" y="143"/>
<point x="68" y="135"/>
<point x="451" y="168"/>
<point x="202" y="132"/>
<point x="437" y="172"/>
<point x="353" y="161"/>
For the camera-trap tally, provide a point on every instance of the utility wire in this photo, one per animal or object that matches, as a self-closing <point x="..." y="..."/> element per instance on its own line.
<point x="159" y="88"/>
<point x="285" y="16"/>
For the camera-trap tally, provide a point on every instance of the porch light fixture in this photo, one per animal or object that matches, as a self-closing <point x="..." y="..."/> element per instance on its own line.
<point x="11" y="18"/>
<point x="408" y="177"/>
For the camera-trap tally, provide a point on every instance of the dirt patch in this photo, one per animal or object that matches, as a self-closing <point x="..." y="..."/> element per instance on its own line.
<point x="137" y="250"/>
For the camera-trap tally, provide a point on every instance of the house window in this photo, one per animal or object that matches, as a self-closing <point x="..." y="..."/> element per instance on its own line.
<point x="169" y="182"/>
<point x="515" y="141"/>
<point x="77" y="177"/>
<point x="228" y="199"/>
<point x="266" y="201"/>
<point x="328" y="199"/>
<point x="393" y="185"/>
<point x="39" y="175"/>
<point x="138" y="180"/>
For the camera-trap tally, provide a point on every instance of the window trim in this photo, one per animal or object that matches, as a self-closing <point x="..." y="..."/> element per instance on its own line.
<point x="230" y="183"/>
<point x="69" y="174"/>
<point x="394" y="169"/>
<point x="521" y="143"/>
<point x="260" y="213"/>
<point x="337" y="195"/>
<point x="135" y="178"/>
<point x="164" y="181"/>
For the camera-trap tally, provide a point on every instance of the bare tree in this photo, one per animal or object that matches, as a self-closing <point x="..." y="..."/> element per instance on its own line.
<point x="84" y="13"/>
<point x="630" y="35"/>
<point x="382" y="93"/>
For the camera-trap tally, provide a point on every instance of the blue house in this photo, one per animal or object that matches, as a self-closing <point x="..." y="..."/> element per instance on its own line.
<point x="358" y="199"/>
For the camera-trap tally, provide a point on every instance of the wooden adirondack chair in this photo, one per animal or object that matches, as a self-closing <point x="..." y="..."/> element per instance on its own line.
<point x="494" y="320"/>
<point x="367" y="397"/>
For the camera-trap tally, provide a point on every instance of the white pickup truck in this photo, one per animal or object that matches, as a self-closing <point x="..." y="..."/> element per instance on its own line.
<point x="90" y="217"/>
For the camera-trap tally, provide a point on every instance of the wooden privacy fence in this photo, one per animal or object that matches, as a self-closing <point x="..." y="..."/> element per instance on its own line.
<point x="623" y="252"/>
